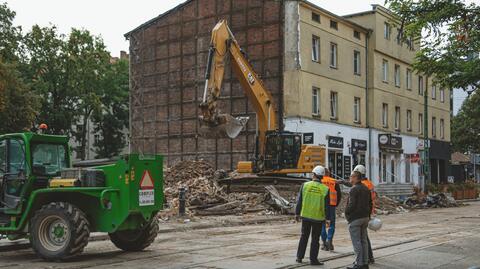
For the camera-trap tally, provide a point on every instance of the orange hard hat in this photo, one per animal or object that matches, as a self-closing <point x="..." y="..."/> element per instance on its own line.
<point x="43" y="126"/>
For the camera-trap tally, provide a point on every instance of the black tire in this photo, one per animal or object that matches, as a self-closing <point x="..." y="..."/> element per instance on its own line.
<point x="136" y="240"/>
<point x="59" y="231"/>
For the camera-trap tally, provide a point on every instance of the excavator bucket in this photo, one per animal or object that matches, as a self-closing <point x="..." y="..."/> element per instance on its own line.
<point x="227" y="126"/>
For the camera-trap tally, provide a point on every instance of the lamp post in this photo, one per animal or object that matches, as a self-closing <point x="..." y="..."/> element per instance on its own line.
<point x="426" y="155"/>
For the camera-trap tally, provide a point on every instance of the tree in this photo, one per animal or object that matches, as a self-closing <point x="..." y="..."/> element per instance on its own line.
<point x="111" y="120"/>
<point x="88" y="61"/>
<point x="466" y="125"/>
<point x="450" y="44"/>
<point x="45" y="69"/>
<point x="18" y="106"/>
<point x="10" y="36"/>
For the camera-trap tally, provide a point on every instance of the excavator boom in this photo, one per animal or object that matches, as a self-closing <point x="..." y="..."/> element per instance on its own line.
<point x="213" y="123"/>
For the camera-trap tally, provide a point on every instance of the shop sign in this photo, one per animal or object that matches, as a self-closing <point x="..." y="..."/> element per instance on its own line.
<point x="308" y="138"/>
<point x="390" y="142"/>
<point x="335" y="142"/>
<point x="347" y="165"/>
<point x="359" y="145"/>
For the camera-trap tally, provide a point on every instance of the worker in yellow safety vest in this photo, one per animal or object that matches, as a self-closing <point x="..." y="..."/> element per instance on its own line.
<point x="313" y="206"/>
<point x="335" y="198"/>
<point x="369" y="184"/>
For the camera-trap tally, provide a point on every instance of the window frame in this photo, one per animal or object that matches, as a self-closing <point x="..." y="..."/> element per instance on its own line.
<point x="316" y="48"/>
<point x="442" y="129"/>
<point x="357" y="35"/>
<point x="397" y="123"/>
<point x="409" y="79"/>
<point x="433" y="92"/>
<point x="442" y="95"/>
<point x="333" y="55"/>
<point x="434" y="127"/>
<point x="420" y="123"/>
<point x="357" y="65"/>
<point x="333" y="105"/>
<point x="385" y="115"/>
<point x="387" y="30"/>
<point x="385" y="71"/>
<point x="314" y="15"/>
<point x="315" y="101"/>
<point x="409" y="120"/>
<point x="420" y="86"/>
<point x="397" y="77"/>
<point x="334" y="24"/>
<point x="356" y="109"/>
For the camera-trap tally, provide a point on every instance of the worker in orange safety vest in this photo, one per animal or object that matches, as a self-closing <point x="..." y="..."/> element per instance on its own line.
<point x="335" y="197"/>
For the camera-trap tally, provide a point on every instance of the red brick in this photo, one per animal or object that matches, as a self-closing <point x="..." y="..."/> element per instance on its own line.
<point x="206" y="145"/>
<point x="190" y="110"/>
<point x="162" y="127"/>
<point x="189" y="94"/>
<point x="161" y="66"/>
<point x="174" y="49"/>
<point x="257" y="66"/>
<point x="174" y="96"/>
<point x="188" y="76"/>
<point x="149" y="35"/>
<point x="272" y="67"/>
<point x="255" y="52"/>
<point x="149" y="146"/>
<point x="223" y="6"/>
<point x="238" y="20"/>
<point x="175" y="127"/>
<point x="239" y="105"/>
<point x="254" y="16"/>
<point x="189" y="61"/>
<point x="188" y="47"/>
<point x="271" y="32"/>
<point x="162" y="81"/>
<point x="189" y="146"/>
<point x="205" y="25"/>
<point x="239" y="4"/>
<point x="149" y="129"/>
<point x="206" y="8"/>
<point x="203" y="43"/>
<point x="149" y="98"/>
<point x="149" y="53"/>
<point x="189" y="126"/>
<point x="162" y="34"/>
<point x="162" y="145"/>
<point x="172" y="18"/>
<point x="189" y="11"/>
<point x="272" y="11"/>
<point x="174" y="78"/>
<point x="174" y="31"/>
<point x="224" y="160"/>
<point x="162" y="113"/>
<point x="224" y="105"/>
<point x="254" y="35"/>
<point x="239" y="143"/>
<point x="189" y="29"/>
<point x="272" y="49"/>
<point x="149" y="68"/>
<point x="175" y="145"/>
<point x="149" y="81"/>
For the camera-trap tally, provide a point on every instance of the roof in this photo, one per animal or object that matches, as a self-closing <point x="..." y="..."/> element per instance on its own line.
<point x="459" y="158"/>
<point x="340" y="18"/>
<point x="375" y="8"/>
<point x="152" y="21"/>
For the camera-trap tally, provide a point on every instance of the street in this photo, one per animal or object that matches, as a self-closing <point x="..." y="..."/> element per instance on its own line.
<point x="434" y="238"/>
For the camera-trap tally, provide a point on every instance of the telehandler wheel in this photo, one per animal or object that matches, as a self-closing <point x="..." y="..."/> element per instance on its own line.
<point x="59" y="231"/>
<point x="138" y="239"/>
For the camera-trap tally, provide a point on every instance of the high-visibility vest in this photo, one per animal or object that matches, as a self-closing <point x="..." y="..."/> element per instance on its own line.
<point x="313" y="200"/>
<point x="330" y="183"/>
<point x="371" y="187"/>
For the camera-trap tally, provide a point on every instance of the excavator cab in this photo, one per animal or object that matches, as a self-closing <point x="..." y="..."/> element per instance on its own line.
<point x="282" y="150"/>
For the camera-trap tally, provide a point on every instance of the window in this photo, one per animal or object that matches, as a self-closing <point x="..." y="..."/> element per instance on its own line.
<point x="3" y="157"/>
<point x="410" y="43"/>
<point x="420" y="85"/>
<point x="399" y="36"/>
<point x="409" y="79"/>
<point x="434" y="127"/>
<point x="50" y="158"/>
<point x="333" y="105"/>
<point x="356" y="62"/>
<point x="397" y="118"/>
<point x="315" y="48"/>
<point x="356" y="34"/>
<point x="385" y="115"/>
<point x="333" y="55"/>
<point x="356" y="109"/>
<point x="397" y="75"/>
<point x="442" y="129"/>
<point x="315" y="101"/>
<point x="334" y="25"/>
<point x="442" y="95"/>
<point x="434" y="92"/>
<point x="386" y="30"/>
<point x="315" y="17"/>
<point x="409" y="120"/>
<point x="385" y="71"/>
<point x="420" y="123"/>
<point x="383" y="167"/>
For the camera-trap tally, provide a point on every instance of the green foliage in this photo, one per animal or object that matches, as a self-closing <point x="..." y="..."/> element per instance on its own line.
<point x="112" y="118"/>
<point x="18" y="106"/>
<point x="450" y="42"/>
<point x="466" y="125"/>
<point x="10" y="36"/>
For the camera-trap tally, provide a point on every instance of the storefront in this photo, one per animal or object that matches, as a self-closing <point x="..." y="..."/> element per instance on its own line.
<point x="439" y="153"/>
<point x="335" y="158"/>
<point x="390" y="158"/>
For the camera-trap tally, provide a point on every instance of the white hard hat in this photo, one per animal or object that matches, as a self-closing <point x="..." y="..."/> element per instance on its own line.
<point x="361" y="169"/>
<point x="375" y="224"/>
<point x="319" y="170"/>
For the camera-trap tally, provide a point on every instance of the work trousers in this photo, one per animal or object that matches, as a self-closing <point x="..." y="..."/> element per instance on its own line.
<point x="359" y="236"/>
<point x="327" y="234"/>
<point x="370" y="251"/>
<point x="315" y="228"/>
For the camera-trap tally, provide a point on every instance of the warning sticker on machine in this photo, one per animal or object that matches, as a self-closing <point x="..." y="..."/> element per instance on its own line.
<point x="146" y="197"/>
<point x="146" y="194"/>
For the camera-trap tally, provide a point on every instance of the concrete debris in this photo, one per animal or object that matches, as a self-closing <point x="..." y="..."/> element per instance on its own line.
<point x="204" y="196"/>
<point x="431" y="201"/>
<point x="276" y="201"/>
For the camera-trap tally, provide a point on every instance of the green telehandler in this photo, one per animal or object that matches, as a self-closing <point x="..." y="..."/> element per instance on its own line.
<point x="55" y="206"/>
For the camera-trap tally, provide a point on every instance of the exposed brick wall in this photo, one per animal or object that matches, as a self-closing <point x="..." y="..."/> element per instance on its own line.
<point x="168" y="59"/>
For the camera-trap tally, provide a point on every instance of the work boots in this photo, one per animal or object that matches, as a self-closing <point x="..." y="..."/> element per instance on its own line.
<point x="330" y="245"/>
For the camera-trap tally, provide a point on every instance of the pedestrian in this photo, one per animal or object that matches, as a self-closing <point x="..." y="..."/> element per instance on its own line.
<point x="335" y="198"/>
<point x="357" y="214"/>
<point x="369" y="184"/>
<point x="313" y="208"/>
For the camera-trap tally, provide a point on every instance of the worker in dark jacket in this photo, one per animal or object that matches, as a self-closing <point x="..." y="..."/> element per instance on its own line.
<point x="357" y="213"/>
<point x="313" y="208"/>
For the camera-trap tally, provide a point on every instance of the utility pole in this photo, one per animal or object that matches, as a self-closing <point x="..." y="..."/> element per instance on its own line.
<point x="426" y="149"/>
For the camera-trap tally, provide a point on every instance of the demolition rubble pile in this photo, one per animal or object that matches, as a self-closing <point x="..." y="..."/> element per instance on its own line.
<point x="204" y="196"/>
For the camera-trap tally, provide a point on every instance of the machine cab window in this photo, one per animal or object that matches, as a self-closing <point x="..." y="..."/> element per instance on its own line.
<point x="48" y="159"/>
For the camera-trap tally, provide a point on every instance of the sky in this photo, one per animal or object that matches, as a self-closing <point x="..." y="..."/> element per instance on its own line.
<point x="111" y="19"/>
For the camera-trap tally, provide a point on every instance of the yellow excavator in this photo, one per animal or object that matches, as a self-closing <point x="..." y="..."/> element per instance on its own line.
<point x="277" y="152"/>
